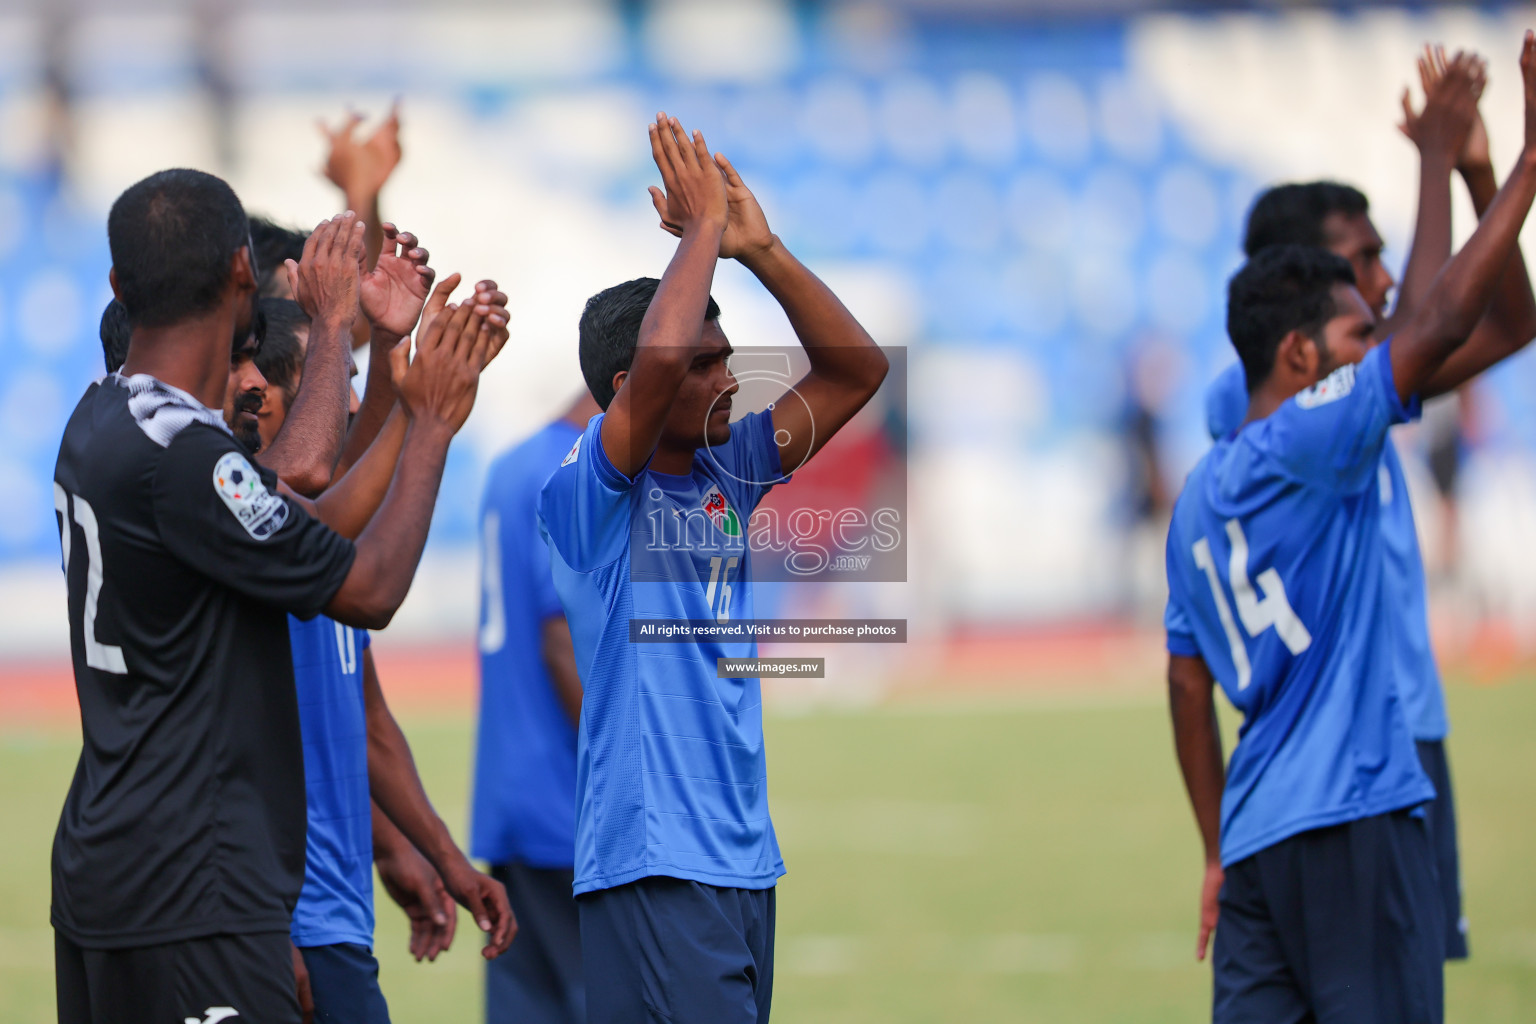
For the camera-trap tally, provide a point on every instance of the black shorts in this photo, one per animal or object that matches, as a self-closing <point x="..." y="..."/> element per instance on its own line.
<point x="1442" y="832"/>
<point x="238" y="978"/>
<point x="1340" y="925"/>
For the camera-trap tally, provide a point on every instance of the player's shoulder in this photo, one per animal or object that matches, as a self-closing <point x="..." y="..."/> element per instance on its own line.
<point x="1226" y="401"/>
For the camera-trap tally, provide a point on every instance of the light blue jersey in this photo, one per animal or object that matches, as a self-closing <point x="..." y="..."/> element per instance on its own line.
<point x="524" y="808"/>
<point x="1276" y="580"/>
<point x="671" y="774"/>
<point x="336" y="904"/>
<point x="1418" y="675"/>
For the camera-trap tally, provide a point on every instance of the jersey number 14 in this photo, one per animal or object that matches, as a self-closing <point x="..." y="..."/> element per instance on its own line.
<point x="1274" y="609"/>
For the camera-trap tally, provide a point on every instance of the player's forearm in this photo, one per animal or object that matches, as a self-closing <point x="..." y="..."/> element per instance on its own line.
<point x="366" y="206"/>
<point x="397" y="790"/>
<point x="1197" y="741"/>
<point x="559" y="655"/>
<point x="389" y="549"/>
<point x="350" y="503"/>
<point x="388" y="841"/>
<point x="1431" y="238"/>
<point x="838" y="347"/>
<point x="378" y="401"/>
<point x="1462" y="292"/>
<point x="305" y="450"/>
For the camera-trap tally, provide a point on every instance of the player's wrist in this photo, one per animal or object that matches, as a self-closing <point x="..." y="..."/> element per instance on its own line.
<point x="763" y="253"/>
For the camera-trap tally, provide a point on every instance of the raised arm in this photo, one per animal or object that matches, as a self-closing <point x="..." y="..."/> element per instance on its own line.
<point x="1510" y="322"/>
<point x="325" y="284"/>
<point x="361" y="169"/>
<point x="1197" y="740"/>
<point x="1460" y="294"/>
<point x="391" y="296"/>
<point x="396" y="787"/>
<point x="437" y="392"/>
<point x="352" y="500"/>
<point x="846" y="364"/>
<point x="1439" y="131"/>
<point x="674" y="322"/>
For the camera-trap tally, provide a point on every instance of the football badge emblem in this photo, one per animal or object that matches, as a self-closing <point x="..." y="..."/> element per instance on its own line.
<point x="720" y="512"/>
<point x="261" y="512"/>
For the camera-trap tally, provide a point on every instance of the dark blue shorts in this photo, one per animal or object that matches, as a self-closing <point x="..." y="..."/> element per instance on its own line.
<point x="669" y="951"/>
<point x="1442" y="832"/>
<point x="344" y="979"/>
<point x="538" y="979"/>
<point x="1340" y="925"/>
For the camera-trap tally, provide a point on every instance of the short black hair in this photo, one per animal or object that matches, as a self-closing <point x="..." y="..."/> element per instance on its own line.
<point x="172" y="236"/>
<point x="1284" y="288"/>
<point x="1294" y="214"/>
<point x="610" y="330"/>
<point x="281" y="358"/>
<point x="274" y="244"/>
<point x="116" y="332"/>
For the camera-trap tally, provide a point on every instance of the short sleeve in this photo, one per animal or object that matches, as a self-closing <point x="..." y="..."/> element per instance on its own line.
<point x="546" y="602"/>
<point x="1333" y="433"/>
<point x="223" y="516"/>
<point x="1176" y="623"/>
<point x="750" y="459"/>
<point x="1226" y="402"/>
<point x="584" y="506"/>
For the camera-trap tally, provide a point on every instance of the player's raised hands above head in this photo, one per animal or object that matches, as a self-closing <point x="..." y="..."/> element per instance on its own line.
<point x="1528" y="75"/>
<point x="694" y="187"/>
<point x="746" y="228"/>
<point x="1474" y="155"/>
<point x="361" y="167"/>
<point x="395" y="290"/>
<point x="326" y="278"/>
<point x="1452" y="89"/>
<point x="440" y="383"/>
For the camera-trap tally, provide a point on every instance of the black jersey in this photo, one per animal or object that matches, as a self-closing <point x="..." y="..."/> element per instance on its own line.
<point x="186" y="814"/>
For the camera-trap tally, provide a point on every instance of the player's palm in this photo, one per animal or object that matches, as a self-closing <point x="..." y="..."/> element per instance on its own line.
<point x="1528" y="73"/>
<point x="395" y="290"/>
<point x="362" y="168"/>
<point x="746" y="227"/>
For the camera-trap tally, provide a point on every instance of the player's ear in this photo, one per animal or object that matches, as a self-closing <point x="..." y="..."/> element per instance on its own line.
<point x="241" y="269"/>
<point x="117" y="292"/>
<point x="618" y="380"/>
<point x="1298" y="357"/>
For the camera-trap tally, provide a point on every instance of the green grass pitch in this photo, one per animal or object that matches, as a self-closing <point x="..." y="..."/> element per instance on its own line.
<point x="1026" y="859"/>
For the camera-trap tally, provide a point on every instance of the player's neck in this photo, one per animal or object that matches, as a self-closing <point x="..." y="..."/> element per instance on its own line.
<point x="1271" y="395"/>
<point x="192" y="355"/>
<point x="672" y="461"/>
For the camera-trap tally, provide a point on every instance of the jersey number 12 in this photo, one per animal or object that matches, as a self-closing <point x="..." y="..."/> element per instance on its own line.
<point x="104" y="657"/>
<point x="1257" y="615"/>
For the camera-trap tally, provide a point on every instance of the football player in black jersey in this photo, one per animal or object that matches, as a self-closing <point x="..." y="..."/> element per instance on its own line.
<point x="180" y="850"/>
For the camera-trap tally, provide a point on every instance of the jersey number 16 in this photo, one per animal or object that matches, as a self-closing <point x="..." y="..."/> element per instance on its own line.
<point x="1257" y="615"/>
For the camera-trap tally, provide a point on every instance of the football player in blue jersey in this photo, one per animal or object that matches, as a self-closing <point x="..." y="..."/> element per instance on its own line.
<point x="523" y="812"/>
<point x="1335" y="217"/>
<point x="366" y="804"/>
<point x="676" y="860"/>
<point x="1319" y="859"/>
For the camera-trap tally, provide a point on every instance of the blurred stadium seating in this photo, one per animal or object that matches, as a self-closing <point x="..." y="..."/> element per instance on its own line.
<point x="1033" y="206"/>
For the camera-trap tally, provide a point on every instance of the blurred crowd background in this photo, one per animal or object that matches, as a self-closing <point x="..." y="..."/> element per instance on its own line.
<point x="1040" y="201"/>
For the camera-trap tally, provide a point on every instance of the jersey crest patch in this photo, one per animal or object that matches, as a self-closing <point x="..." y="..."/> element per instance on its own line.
<point x="570" y="456"/>
<point x="1332" y="388"/>
<point x="720" y="512"/>
<point x="261" y="512"/>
